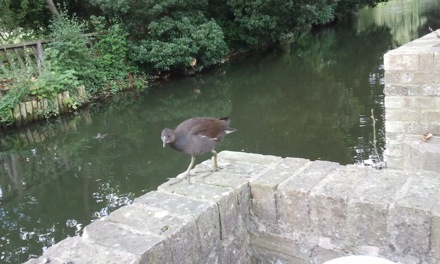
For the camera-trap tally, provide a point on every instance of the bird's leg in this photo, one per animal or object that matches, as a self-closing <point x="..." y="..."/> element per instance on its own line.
<point x="193" y="160"/>
<point x="214" y="155"/>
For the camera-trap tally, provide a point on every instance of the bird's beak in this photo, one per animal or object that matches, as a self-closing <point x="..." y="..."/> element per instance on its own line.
<point x="164" y="144"/>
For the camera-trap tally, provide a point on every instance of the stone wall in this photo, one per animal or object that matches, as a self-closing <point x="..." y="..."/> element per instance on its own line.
<point x="267" y="209"/>
<point x="412" y="104"/>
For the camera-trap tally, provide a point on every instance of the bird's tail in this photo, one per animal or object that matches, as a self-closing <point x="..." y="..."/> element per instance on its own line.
<point x="228" y="121"/>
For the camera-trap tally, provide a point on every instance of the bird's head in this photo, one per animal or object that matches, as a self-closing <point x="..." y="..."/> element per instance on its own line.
<point x="167" y="136"/>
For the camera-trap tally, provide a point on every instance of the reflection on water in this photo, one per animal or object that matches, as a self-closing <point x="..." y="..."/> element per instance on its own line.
<point x="309" y="100"/>
<point x="406" y="19"/>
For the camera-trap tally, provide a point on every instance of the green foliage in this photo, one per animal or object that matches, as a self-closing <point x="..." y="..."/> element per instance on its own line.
<point x="26" y="14"/>
<point x="110" y="58"/>
<point x="49" y="84"/>
<point x="254" y="23"/>
<point x="16" y="94"/>
<point x="169" y="35"/>
<point x="190" y="35"/>
<point x="69" y="49"/>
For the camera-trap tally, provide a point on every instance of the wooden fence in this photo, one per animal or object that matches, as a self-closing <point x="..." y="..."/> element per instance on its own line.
<point x="29" y="56"/>
<point x="25" y="56"/>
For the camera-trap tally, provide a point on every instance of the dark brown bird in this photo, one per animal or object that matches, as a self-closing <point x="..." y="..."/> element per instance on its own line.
<point x="197" y="136"/>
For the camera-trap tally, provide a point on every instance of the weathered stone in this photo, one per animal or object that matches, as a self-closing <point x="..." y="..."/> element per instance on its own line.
<point x="276" y="248"/>
<point x="206" y="215"/>
<point x="403" y="115"/>
<point x="394" y="126"/>
<point x="328" y="200"/>
<point x="226" y="198"/>
<point x="124" y="239"/>
<point x="420" y="155"/>
<point x="197" y="191"/>
<point x="321" y="255"/>
<point x="77" y="250"/>
<point x="435" y="232"/>
<point x="316" y="211"/>
<point x="264" y="188"/>
<point x="410" y="220"/>
<point x="367" y="210"/>
<point x="393" y="102"/>
<point x="293" y="201"/>
<point x="399" y="59"/>
<point x="176" y="205"/>
<point x="235" y="247"/>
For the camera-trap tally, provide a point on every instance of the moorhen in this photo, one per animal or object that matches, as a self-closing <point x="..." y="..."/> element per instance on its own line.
<point x="197" y="136"/>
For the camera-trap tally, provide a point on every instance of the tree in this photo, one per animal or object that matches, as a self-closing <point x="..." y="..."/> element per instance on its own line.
<point x="52" y="8"/>
<point x="169" y="35"/>
<point x="24" y="14"/>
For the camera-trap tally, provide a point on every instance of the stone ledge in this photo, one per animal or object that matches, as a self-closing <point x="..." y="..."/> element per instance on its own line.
<point x="276" y="209"/>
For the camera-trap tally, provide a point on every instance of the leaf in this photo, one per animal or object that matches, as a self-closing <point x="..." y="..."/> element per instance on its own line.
<point x="426" y="136"/>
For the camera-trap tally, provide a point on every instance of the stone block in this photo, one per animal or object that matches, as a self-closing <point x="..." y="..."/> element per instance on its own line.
<point x="400" y="59"/>
<point x="321" y="255"/>
<point x="224" y="177"/>
<point x="248" y="157"/>
<point x="436" y="61"/>
<point x="435" y="231"/>
<point x="247" y="165"/>
<point x="231" y="217"/>
<point x="409" y="220"/>
<point x="403" y="89"/>
<point x="434" y="127"/>
<point x="433" y="88"/>
<point x="235" y="248"/>
<point x="393" y="126"/>
<point x="114" y="236"/>
<point x="181" y="236"/>
<point x="414" y="127"/>
<point x="264" y="188"/>
<point x="367" y="210"/>
<point x="328" y="200"/>
<point x="418" y="155"/>
<point x="418" y="102"/>
<point x="76" y="250"/>
<point x="430" y="115"/>
<point x="293" y="201"/>
<point x="422" y="78"/>
<point x="394" y="162"/>
<point x="196" y="191"/>
<point x="205" y="213"/>
<point x="405" y="115"/>
<point x="271" y="248"/>
<point x="426" y="61"/>
<point x="393" y="102"/>
<point x="175" y="204"/>
<point x="226" y="198"/>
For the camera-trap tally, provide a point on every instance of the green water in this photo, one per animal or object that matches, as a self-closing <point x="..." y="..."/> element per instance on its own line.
<point x="310" y="100"/>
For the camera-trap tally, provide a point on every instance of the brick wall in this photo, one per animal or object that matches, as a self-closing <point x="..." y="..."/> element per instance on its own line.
<point x="412" y="104"/>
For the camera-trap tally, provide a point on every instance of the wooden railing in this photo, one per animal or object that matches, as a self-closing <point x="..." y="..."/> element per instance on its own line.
<point x="27" y="55"/>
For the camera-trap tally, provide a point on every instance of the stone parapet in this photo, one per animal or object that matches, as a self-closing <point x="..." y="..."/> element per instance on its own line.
<point x="412" y="103"/>
<point x="267" y="209"/>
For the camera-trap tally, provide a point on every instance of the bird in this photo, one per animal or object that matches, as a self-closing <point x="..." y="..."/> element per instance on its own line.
<point x="196" y="136"/>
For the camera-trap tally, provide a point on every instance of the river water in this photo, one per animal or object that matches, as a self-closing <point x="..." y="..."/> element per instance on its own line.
<point x="311" y="99"/>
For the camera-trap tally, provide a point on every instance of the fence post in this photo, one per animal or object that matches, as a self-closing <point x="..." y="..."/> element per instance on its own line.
<point x="39" y="57"/>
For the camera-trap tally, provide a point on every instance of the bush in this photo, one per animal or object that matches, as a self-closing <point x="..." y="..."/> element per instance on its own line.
<point x="169" y="35"/>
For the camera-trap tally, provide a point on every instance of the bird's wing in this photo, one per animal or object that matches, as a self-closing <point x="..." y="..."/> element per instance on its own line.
<point x="211" y="128"/>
